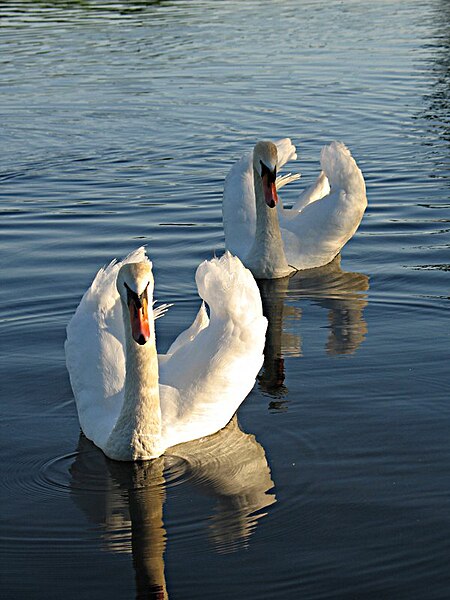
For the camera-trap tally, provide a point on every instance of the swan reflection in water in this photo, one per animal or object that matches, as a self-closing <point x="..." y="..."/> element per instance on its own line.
<point x="341" y="293"/>
<point x="126" y="499"/>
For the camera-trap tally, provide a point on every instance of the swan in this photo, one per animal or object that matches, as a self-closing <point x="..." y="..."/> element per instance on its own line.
<point x="134" y="404"/>
<point x="275" y="242"/>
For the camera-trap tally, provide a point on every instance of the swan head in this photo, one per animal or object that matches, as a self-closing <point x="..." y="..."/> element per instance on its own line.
<point x="265" y="163"/>
<point x="135" y="286"/>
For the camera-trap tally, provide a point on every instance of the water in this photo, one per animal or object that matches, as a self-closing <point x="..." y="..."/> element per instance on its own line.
<point x="119" y="124"/>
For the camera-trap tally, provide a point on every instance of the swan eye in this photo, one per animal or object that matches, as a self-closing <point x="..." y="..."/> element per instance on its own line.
<point x="139" y="300"/>
<point x="265" y="171"/>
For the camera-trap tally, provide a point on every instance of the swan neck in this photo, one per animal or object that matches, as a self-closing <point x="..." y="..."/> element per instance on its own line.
<point x="266" y="258"/>
<point x="265" y="217"/>
<point x="137" y="433"/>
<point x="141" y="379"/>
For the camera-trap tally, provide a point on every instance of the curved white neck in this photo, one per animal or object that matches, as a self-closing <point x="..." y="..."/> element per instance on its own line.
<point x="266" y="258"/>
<point x="137" y="433"/>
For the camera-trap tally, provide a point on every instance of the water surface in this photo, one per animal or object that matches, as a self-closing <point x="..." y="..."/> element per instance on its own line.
<point x="119" y="124"/>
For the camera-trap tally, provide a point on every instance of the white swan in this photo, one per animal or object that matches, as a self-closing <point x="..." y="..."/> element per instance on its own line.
<point x="133" y="404"/>
<point x="273" y="242"/>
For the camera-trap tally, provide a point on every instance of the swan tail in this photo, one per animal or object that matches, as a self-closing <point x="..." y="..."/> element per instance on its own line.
<point x="285" y="179"/>
<point x="341" y="169"/>
<point x="229" y="289"/>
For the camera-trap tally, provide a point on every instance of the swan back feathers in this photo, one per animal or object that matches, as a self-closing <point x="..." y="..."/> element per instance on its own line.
<point x="341" y="169"/>
<point x="229" y="288"/>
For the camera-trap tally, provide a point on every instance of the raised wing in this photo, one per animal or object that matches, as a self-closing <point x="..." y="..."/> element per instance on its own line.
<point x="216" y="369"/>
<point x="314" y="235"/>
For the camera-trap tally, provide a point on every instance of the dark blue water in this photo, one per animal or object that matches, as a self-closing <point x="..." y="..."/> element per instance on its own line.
<point x="119" y="123"/>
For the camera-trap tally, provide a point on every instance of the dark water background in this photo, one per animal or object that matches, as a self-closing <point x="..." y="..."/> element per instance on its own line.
<point x="119" y="123"/>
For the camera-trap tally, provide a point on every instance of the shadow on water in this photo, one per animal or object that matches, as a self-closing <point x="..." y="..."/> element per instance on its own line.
<point x="126" y="499"/>
<point x="341" y="293"/>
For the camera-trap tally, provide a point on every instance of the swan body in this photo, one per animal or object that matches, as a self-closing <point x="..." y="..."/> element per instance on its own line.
<point x="134" y="404"/>
<point x="273" y="241"/>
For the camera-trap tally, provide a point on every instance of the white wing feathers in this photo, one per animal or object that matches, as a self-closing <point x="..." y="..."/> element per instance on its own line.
<point x="283" y="180"/>
<point x="314" y="235"/>
<point x="217" y="368"/>
<point x="200" y="322"/>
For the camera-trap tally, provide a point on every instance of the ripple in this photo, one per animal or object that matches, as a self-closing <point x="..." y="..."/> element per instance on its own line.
<point x="121" y="121"/>
<point x="54" y="475"/>
<point x="36" y="480"/>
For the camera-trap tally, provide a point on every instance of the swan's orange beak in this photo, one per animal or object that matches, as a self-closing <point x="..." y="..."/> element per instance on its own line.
<point x="269" y="187"/>
<point x="140" y="327"/>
